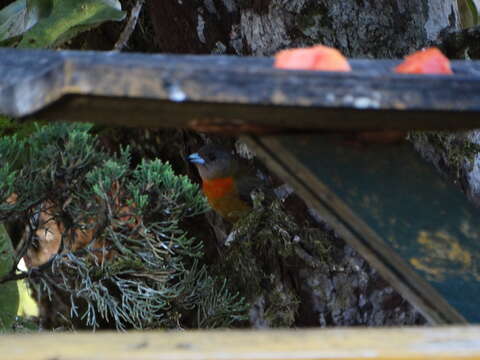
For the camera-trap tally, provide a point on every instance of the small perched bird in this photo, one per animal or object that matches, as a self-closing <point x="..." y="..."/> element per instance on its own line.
<point x="226" y="184"/>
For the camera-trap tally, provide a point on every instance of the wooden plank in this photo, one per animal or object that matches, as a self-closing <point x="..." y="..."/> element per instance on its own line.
<point x="392" y="344"/>
<point x="232" y="93"/>
<point x="419" y="231"/>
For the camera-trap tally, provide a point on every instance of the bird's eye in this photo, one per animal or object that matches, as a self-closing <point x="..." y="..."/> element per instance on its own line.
<point x="211" y="157"/>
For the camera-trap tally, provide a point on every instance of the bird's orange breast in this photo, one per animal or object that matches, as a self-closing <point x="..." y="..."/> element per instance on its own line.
<point x="223" y="196"/>
<point x="217" y="188"/>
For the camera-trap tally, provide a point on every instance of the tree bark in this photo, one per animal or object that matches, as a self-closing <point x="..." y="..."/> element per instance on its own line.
<point x="359" y="28"/>
<point x="346" y="291"/>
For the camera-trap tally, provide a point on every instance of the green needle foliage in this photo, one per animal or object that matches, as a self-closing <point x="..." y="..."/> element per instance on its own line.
<point x="139" y="268"/>
<point x="8" y="292"/>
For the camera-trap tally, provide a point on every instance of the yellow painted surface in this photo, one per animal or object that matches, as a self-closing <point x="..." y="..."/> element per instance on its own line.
<point x="381" y="343"/>
<point x="443" y="256"/>
<point x="27" y="306"/>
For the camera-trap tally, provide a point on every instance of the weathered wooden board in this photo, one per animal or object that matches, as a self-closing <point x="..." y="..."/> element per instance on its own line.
<point x="380" y="344"/>
<point x="416" y="228"/>
<point x="232" y="93"/>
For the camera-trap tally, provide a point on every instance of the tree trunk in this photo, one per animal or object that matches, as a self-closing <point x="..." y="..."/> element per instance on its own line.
<point x="344" y="290"/>
<point x="359" y="28"/>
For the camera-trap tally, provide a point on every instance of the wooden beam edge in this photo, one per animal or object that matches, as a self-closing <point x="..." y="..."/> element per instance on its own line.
<point x="392" y="343"/>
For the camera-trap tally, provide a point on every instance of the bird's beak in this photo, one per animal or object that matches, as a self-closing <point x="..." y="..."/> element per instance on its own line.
<point x="196" y="159"/>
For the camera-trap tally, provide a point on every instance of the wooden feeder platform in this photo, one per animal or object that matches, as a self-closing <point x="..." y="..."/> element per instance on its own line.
<point x="417" y="229"/>
<point x="452" y="343"/>
<point x="227" y="93"/>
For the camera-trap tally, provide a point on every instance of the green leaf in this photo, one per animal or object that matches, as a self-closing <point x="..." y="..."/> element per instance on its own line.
<point x="68" y="18"/>
<point x="14" y="20"/>
<point x="9" y="298"/>
<point x="48" y="23"/>
<point x="472" y="5"/>
<point x="21" y="15"/>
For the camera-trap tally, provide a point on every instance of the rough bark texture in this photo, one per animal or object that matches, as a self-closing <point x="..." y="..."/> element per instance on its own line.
<point x="344" y="291"/>
<point x="460" y="44"/>
<point x="360" y="28"/>
<point x="455" y="155"/>
<point x="351" y="293"/>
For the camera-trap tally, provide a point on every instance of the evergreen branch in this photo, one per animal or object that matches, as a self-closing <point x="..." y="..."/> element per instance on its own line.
<point x="123" y="257"/>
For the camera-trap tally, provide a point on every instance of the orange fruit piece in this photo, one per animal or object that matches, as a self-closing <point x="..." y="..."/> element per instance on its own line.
<point x="428" y="61"/>
<point x="319" y="57"/>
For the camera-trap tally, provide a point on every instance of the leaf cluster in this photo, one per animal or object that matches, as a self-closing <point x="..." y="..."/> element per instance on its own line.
<point x="49" y="23"/>
<point x="124" y="258"/>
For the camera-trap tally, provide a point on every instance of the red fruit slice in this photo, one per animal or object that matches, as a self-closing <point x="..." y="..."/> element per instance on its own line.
<point x="428" y="61"/>
<point x="322" y="58"/>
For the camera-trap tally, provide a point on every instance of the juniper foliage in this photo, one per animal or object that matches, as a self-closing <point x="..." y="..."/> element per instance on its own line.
<point x="140" y="267"/>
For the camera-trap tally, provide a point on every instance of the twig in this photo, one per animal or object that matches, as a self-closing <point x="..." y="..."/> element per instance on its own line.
<point x="130" y="27"/>
<point x="27" y="239"/>
<point x="13" y="276"/>
<point x="39" y="270"/>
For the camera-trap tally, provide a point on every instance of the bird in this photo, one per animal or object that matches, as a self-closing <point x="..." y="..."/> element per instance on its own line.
<point x="226" y="182"/>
